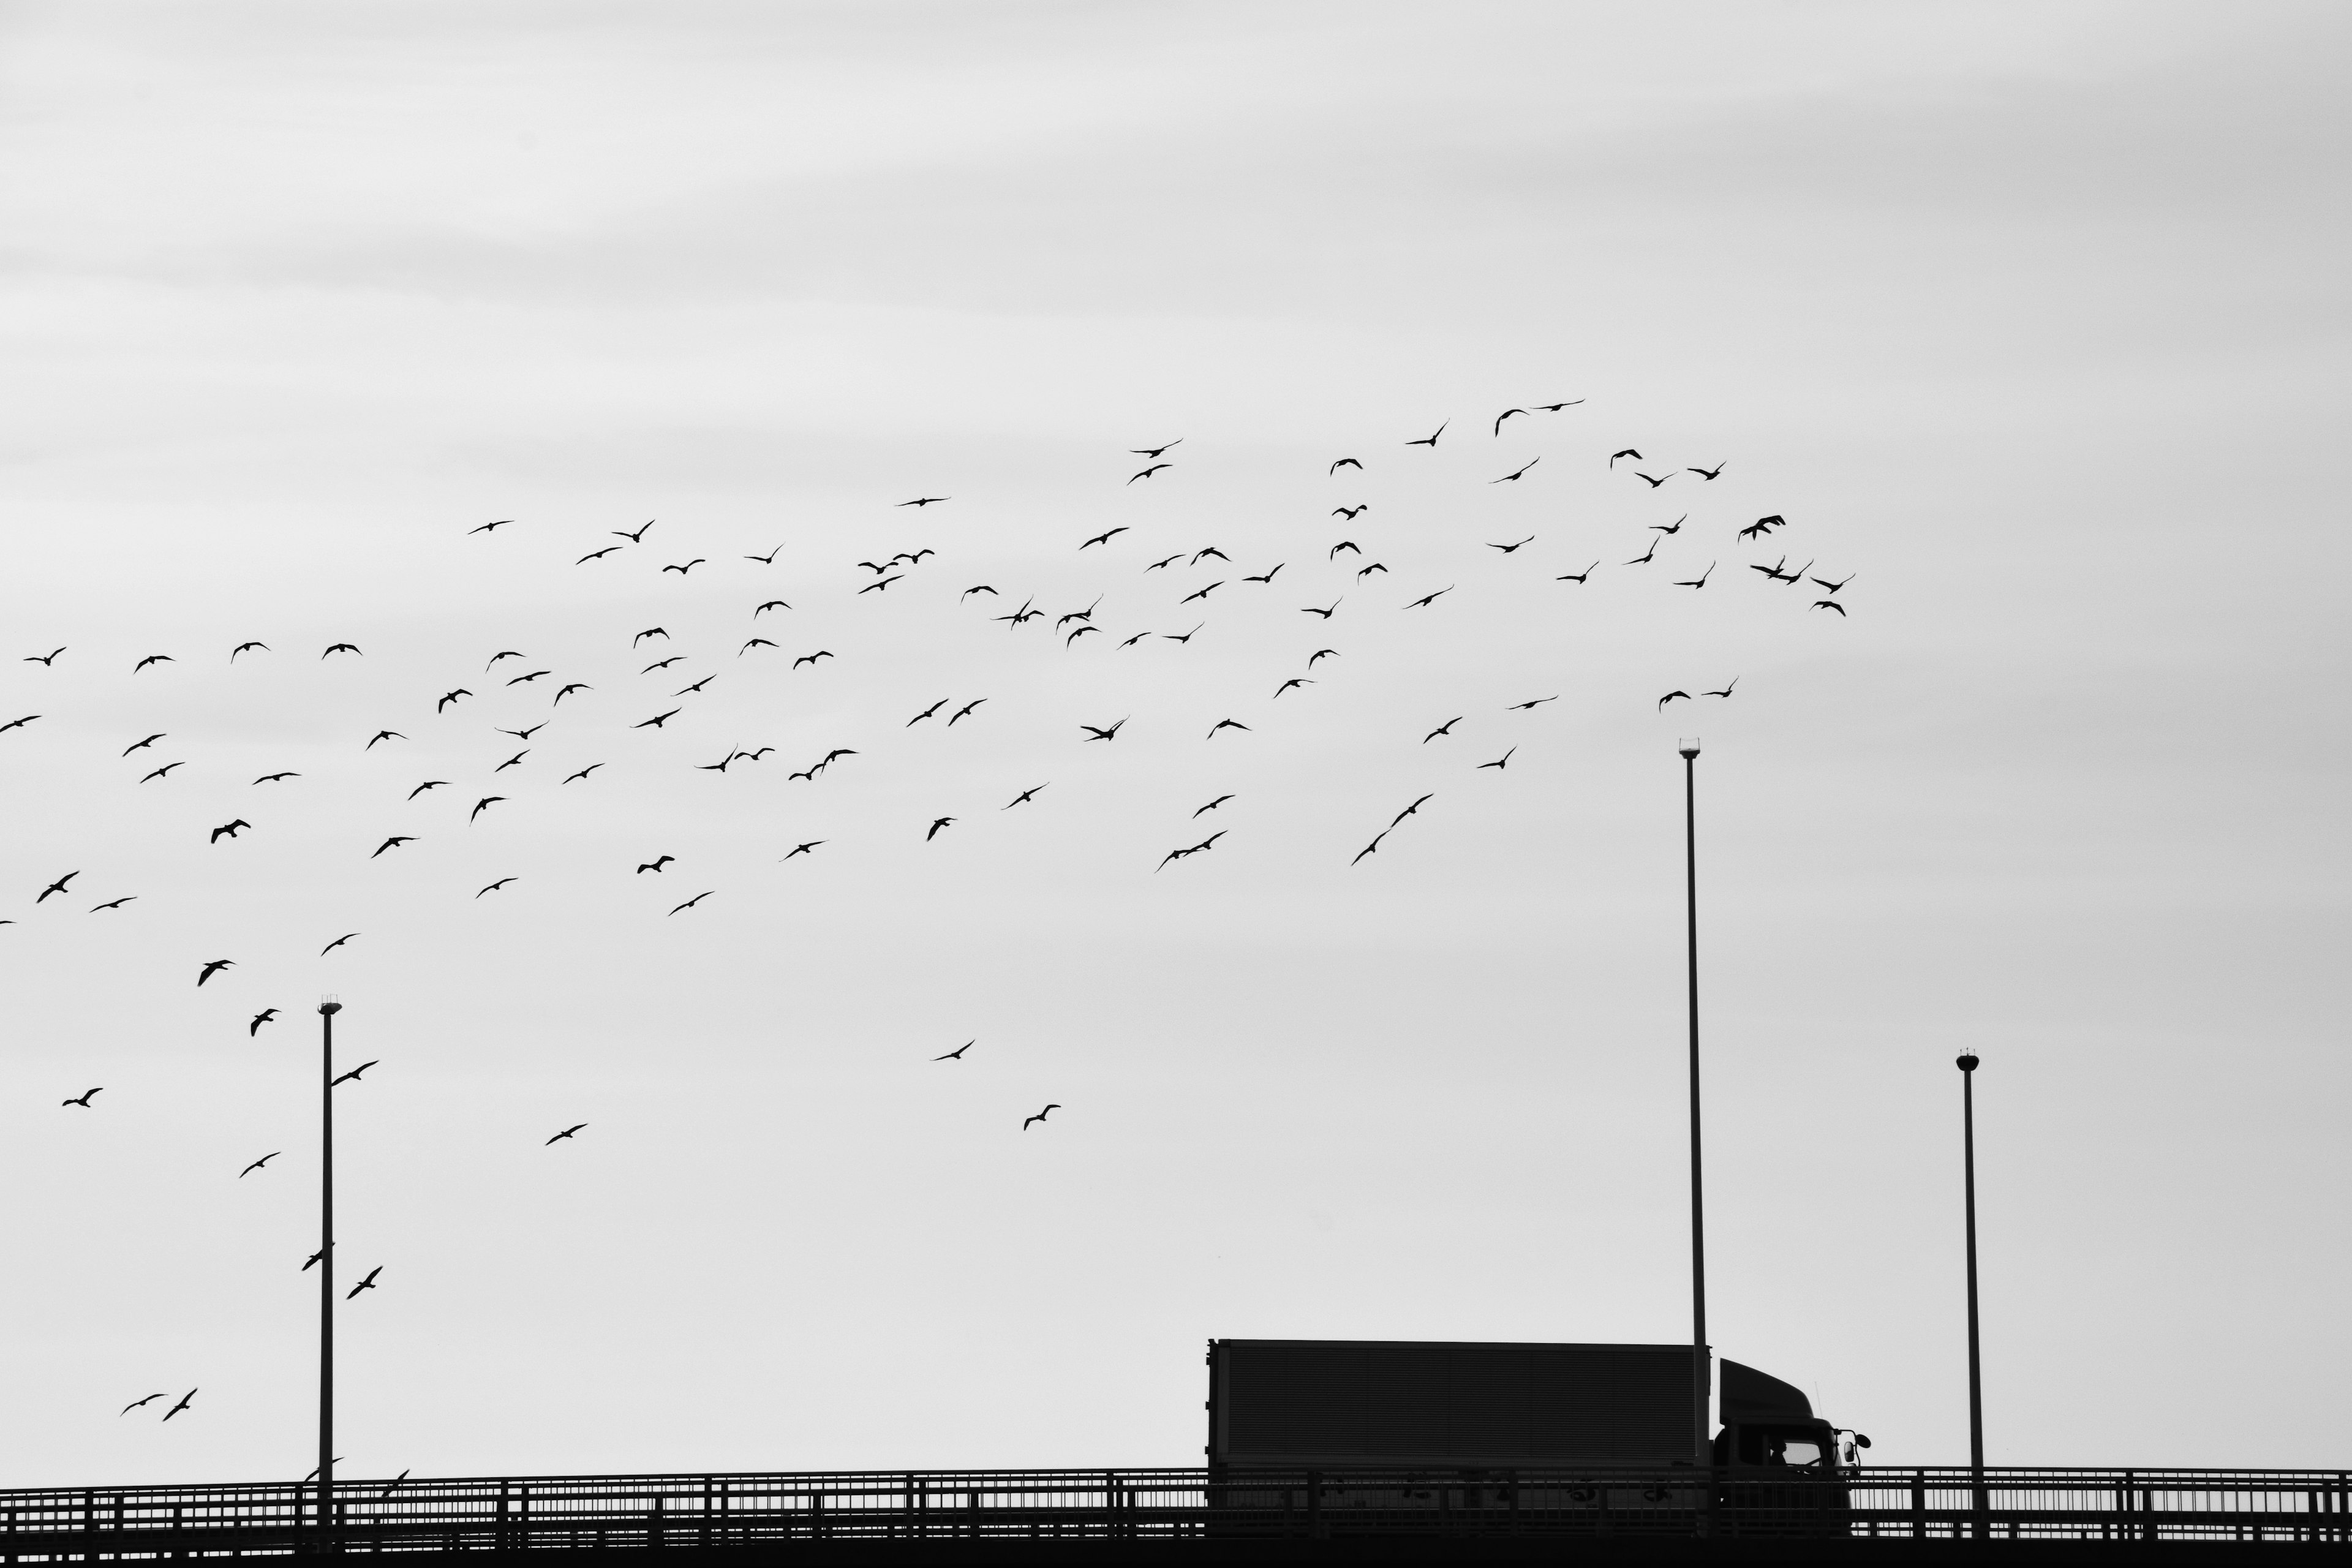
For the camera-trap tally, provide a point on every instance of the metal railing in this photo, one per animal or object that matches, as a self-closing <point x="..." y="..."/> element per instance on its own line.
<point x="88" y="1524"/>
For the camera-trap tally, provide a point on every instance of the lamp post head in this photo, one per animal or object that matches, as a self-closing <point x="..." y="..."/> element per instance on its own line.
<point x="1967" y="1061"/>
<point x="1687" y="746"/>
<point x="329" y="1006"/>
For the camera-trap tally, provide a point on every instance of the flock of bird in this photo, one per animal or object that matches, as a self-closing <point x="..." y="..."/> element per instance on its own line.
<point x="1177" y="583"/>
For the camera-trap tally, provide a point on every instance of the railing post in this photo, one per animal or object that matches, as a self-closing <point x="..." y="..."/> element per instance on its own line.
<point x="1314" y="1505"/>
<point x="1918" y="1505"/>
<point x="657" y="1533"/>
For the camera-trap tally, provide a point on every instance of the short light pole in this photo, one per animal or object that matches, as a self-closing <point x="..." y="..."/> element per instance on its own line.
<point x="328" y="1008"/>
<point x="1968" y="1066"/>
<point x="1705" y="1449"/>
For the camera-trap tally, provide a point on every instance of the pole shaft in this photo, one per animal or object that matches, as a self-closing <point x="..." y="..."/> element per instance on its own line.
<point x="326" y="1274"/>
<point x="1976" y="1379"/>
<point x="1698" y="1211"/>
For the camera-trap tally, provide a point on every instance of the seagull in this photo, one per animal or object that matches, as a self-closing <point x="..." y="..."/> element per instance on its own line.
<point x="690" y="566"/>
<point x="1641" y="560"/>
<point x="337" y="943"/>
<point x="1333" y="554"/>
<point x="494" y="887"/>
<point x="595" y="556"/>
<point x="57" y="886"/>
<point x="382" y="735"/>
<point x="352" y="1075"/>
<point x="879" y="583"/>
<point x="636" y="538"/>
<point x="449" y="697"/>
<point x="114" y="904"/>
<point x="1833" y="587"/>
<point x="1670" y="696"/>
<point x="696" y="899"/>
<point x="135" y="1405"/>
<point x="1226" y="725"/>
<point x="1321" y="653"/>
<point x="150" y="741"/>
<point x="483" y="804"/>
<point x="976" y="701"/>
<point x="152" y="658"/>
<point x="366" y="1284"/>
<point x="957" y="1054"/>
<point x="1726" y="691"/>
<point x="1506" y="414"/>
<point x="274" y="778"/>
<point x="1148" y="473"/>
<point x="769" y="605"/>
<point x="1025" y="795"/>
<point x="1183" y="636"/>
<point x="1203" y="593"/>
<point x="1104" y="538"/>
<point x="82" y="1099"/>
<point x="978" y="588"/>
<point x="1409" y="810"/>
<point x="258" y="1163"/>
<point x="1165" y="561"/>
<point x="566" y="1133"/>
<point x="13" y="724"/>
<point x="1366" y="571"/>
<point x="428" y="783"/>
<point x="1575" y="576"/>
<point x="1429" y="440"/>
<point x="1829" y="605"/>
<point x="926" y="501"/>
<point x="812" y="658"/>
<point x="649" y="632"/>
<point x="264" y="1016"/>
<point x="1215" y="804"/>
<point x="166" y="768"/>
<point x="1294" y="680"/>
<point x="1628" y="452"/>
<point x="1343" y="463"/>
<point x="1039" y="1117"/>
<point x="1208" y="843"/>
<point x="583" y="773"/>
<point x="1269" y="576"/>
<point x="1153" y="452"/>
<point x="527" y="680"/>
<point x="184" y="1398"/>
<point x="215" y="967"/>
<point x="1498" y="762"/>
<point x="1079" y="633"/>
<point x="804" y="848"/>
<point x="936" y="824"/>
<point x="229" y="829"/>
<point x="1443" y="729"/>
<point x="489" y="526"/>
<point x="395" y="839"/>
<point x="340" y="647"/>
<point x="1429" y="599"/>
<point x="658" y="719"/>
<point x="1327" y="614"/>
<point x="1670" y="533"/>
<point x="564" y="691"/>
<point x="1368" y="848"/>
<point x="1654" y="484"/>
<point x="656" y="864"/>
<point x="526" y="734"/>
<point x="1699" y="581"/>
<point x="1707" y="473"/>
<point x="1531" y="702"/>
<point x="50" y="657"/>
<point x="1515" y="473"/>
<point x="1508" y="549"/>
<point x="511" y="760"/>
<point x="1351" y="512"/>
<point x="1556" y="407"/>
<point x="1095" y="734"/>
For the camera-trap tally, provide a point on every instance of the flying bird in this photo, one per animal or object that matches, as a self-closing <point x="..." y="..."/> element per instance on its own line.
<point x="1726" y="691"/>
<point x="595" y="556"/>
<point x="562" y="692"/>
<point x="936" y="824"/>
<point x="957" y="1054"/>
<point x="1104" y="538"/>
<point x="767" y="560"/>
<point x="1214" y="805"/>
<point x="1641" y="560"/>
<point x="1446" y="728"/>
<point x="1628" y="452"/>
<point x="264" y="1016"/>
<point x="352" y="1075"/>
<point x="976" y="701"/>
<point x="483" y="804"/>
<point x="770" y="605"/>
<point x="1670" y="531"/>
<point x="636" y="538"/>
<point x="1321" y="653"/>
<point x="258" y="1163"/>
<point x="1165" y="561"/>
<point x="274" y="778"/>
<point x="1506" y="414"/>
<point x="927" y="713"/>
<point x="1575" y="576"/>
<point x="1351" y="512"/>
<point x="166" y="768"/>
<point x="150" y="741"/>
<point x="152" y="658"/>
<point x="1531" y="702"/>
<point x="1365" y="571"/>
<point x="1707" y="473"/>
<point x="1409" y="810"/>
<point x="1699" y="581"/>
<point x="1183" y="636"/>
<point x="57" y="886"/>
<point x="649" y="632"/>
<point x="1343" y="463"/>
<point x="136" y="1404"/>
<point x="1203" y="593"/>
<point x="690" y="566"/>
<point x="382" y="735"/>
<point x="14" y="723"/>
<point x="1024" y="796"/>
<point x="113" y="903"/>
<point x="696" y="899"/>
<point x="1556" y="407"/>
<point x="1294" y="680"/>
<point x="50" y="657"/>
<point x="337" y="943"/>
<point x="1670" y="696"/>
<point x="526" y="734"/>
<point x="1368" y="848"/>
<point x="1095" y="734"/>
<point x="1079" y="633"/>
<point x="1268" y="577"/>
<point x="926" y="501"/>
<point x="1148" y="473"/>
<point x="1515" y="473"/>
<point x="396" y="839"/>
<point x="527" y="680"/>
<point x="228" y="830"/>
<point x="881" y="583"/>
<point x="489" y="526"/>
<point x="366" y="1284"/>
<point x="449" y="697"/>
<point x="1652" y="483"/>
<point x="983" y="588"/>
<point x="82" y="1099"/>
<point x="215" y="967"/>
<point x="1226" y="725"/>
<point x="656" y="864"/>
<point x="1829" y="605"/>
<point x="1208" y="549"/>
<point x="804" y="848"/>
<point x="812" y="658"/>
<point x="1498" y="762"/>
<point x="494" y="887"/>
<point x="428" y="783"/>
<point x="1429" y="440"/>
<point x="182" y="1404"/>
<point x="1428" y="599"/>
<point x="562" y="1135"/>
<point x="1039" y="1117"/>
<point x="340" y="647"/>
<point x="583" y="773"/>
<point x="1833" y="587"/>
<point x="510" y="762"/>
<point x="1154" y="452"/>
<point x="1508" y="549"/>
<point x="657" y="720"/>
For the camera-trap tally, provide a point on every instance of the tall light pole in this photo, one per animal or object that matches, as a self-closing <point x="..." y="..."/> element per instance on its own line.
<point x="1703" y="1448"/>
<point x="1968" y="1066"/>
<point x="328" y="1008"/>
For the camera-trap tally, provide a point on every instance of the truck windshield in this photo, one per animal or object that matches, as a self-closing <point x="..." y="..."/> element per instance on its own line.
<point x="1799" y="1446"/>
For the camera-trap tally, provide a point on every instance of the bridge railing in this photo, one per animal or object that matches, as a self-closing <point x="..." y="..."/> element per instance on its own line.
<point x="95" y="1523"/>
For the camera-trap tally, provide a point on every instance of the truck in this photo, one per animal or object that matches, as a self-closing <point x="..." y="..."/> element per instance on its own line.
<point x="1356" y="1404"/>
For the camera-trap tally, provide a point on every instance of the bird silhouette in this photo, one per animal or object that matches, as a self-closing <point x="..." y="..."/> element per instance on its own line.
<point x="82" y="1099"/>
<point x="1833" y="587"/>
<point x="804" y="848"/>
<point x="1148" y="473"/>
<point x="690" y="566"/>
<point x="1627" y="452"/>
<point x="957" y="1054"/>
<point x="228" y="830"/>
<point x="968" y="707"/>
<point x="1104" y="538"/>
<point x="57" y="886"/>
<point x="657" y="720"/>
<point x="428" y="783"/>
<point x="1707" y="473"/>
<point x="16" y="723"/>
<point x="340" y="648"/>
<point x="449" y="697"/>
<point x="1368" y="848"/>
<point x="137" y="745"/>
<point x="583" y="773"/>
<point x="1429" y="440"/>
<point x="215" y="967"/>
<point x="1699" y="581"/>
<point x="1154" y="452"/>
<point x="562" y="1135"/>
<point x="527" y="680"/>
<point x="1039" y="1117"/>
<point x="982" y="588"/>
<point x="1319" y="654"/>
<point x="1727" y="689"/>
<point x="696" y="899"/>
<point x="1499" y="762"/>
<point x="926" y="501"/>
<point x="1428" y="599"/>
<point x="1829" y="605"/>
<point x="937" y="822"/>
<point x="1443" y="729"/>
<point x="813" y="657"/>
<point x="767" y="560"/>
<point x="1515" y="473"/>
<point x="488" y="527"/>
<point x="1508" y="549"/>
<point x="366" y="1284"/>
<point x="397" y="838"/>
<point x="1214" y="805"/>
<point x="1027" y="795"/>
<point x="1556" y="407"/>
<point x="596" y="555"/>
<point x="483" y="804"/>
<point x="763" y="608"/>
<point x="113" y="903"/>
<point x="1183" y="636"/>
<point x="1652" y="483"/>
<point x="49" y="660"/>
<point x="1267" y="577"/>
<point x="264" y="1016"/>
<point x="1202" y="593"/>
<point x="1643" y="559"/>
<point x="636" y="538"/>
<point x="1506" y="414"/>
<point x="1226" y="724"/>
<point x="152" y="658"/>
<point x="164" y="770"/>
<point x="494" y="887"/>
<point x="881" y="583"/>
<point x="656" y="864"/>
<point x="258" y="1163"/>
<point x="1343" y="463"/>
<point x="563" y="691"/>
<point x="1675" y="529"/>
<point x="649" y="632"/>
<point x="510" y="762"/>
<point x="1409" y="810"/>
<point x="1294" y="680"/>
<point x="1670" y="696"/>
<point x="1093" y="734"/>
<point x="1531" y="702"/>
<point x="136" y="1402"/>
<point x="182" y="1404"/>
<point x="382" y="735"/>
<point x="1351" y="513"/>
<point x="274" y="778"/>
<point x="1079" y="633"/>
<point x="352" y="1075"/>
<point x="1575" y="577"/>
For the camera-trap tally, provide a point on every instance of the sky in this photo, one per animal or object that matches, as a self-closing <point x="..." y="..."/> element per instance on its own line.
<point x="2030" y="322"/>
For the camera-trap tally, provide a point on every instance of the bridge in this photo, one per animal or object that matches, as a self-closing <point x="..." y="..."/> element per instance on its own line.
<point x="1264" y="1515"/>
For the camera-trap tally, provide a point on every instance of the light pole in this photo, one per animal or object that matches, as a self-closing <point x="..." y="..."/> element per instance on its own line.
<point x="328" y="1008"/>
<point x="1968" y="1066"/>
<point x="1703" y="1449"/>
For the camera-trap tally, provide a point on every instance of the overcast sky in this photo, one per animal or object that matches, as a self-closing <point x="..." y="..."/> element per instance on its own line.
<point x="2029" y="319"/>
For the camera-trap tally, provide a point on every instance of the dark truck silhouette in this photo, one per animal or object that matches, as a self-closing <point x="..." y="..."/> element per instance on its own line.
<point x="1386" y="1425"/>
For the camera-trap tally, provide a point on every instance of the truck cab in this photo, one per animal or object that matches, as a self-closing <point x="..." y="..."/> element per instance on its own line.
<point x="1769" y="1424"/>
